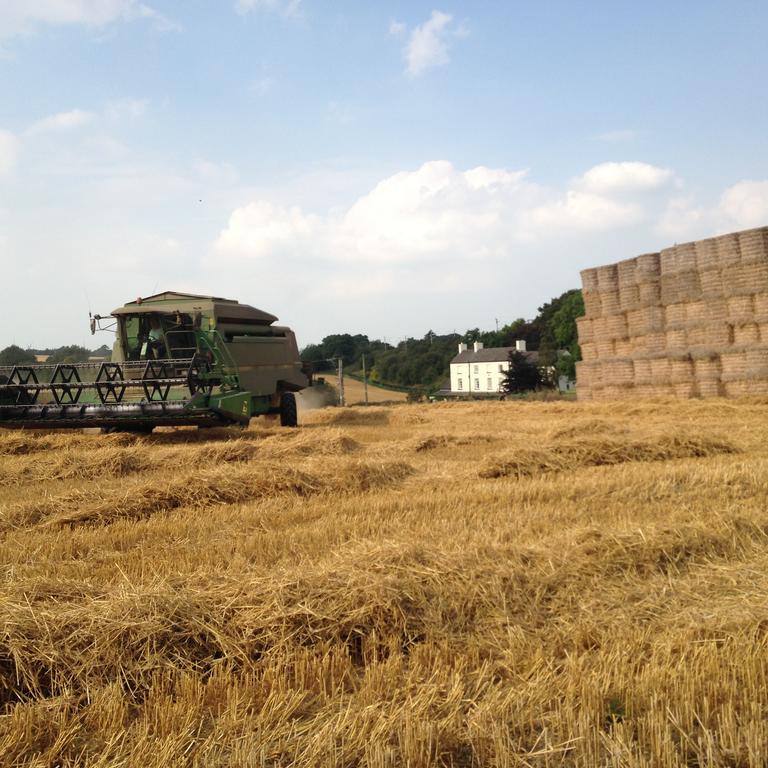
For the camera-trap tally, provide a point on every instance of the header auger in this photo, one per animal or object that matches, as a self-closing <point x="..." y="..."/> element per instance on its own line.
<point x="178" y="359"/>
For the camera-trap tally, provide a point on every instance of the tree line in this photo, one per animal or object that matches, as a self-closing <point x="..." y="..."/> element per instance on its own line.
<point x="424" y="362"/>
<point x="15" y="355"/>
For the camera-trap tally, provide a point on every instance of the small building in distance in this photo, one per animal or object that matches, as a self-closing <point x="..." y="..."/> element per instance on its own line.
<point x="480" y="371"/>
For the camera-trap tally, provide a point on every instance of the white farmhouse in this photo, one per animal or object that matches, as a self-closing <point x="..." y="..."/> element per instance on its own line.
<point x="480" y="370"/>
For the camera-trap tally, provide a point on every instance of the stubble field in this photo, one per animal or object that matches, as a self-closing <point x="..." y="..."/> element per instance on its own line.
<point x="491" y="584"/>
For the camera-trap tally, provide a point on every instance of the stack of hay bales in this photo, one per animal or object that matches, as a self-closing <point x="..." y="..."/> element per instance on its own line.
<point x="691" y="321"/>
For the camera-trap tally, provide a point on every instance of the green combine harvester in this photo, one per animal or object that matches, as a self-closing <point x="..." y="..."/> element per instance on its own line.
<point x="178" y="359"/>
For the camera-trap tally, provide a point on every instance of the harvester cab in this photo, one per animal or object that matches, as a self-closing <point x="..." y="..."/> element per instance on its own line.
<point x="177" y="359"/>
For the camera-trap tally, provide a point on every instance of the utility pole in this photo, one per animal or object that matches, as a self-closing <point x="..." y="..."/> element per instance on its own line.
<point x="497" y="325"/>
<point x="341" y="382"/>
<point x="365" y="380"/>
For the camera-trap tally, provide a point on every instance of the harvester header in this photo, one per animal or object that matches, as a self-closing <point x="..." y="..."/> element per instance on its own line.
<point x="177" y="359"/>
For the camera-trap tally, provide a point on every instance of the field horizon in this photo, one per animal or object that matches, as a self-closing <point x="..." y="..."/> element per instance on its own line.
<point x="448" y="584"/>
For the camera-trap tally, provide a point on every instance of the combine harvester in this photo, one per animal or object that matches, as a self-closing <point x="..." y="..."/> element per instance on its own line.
<point x="178" y="359"/>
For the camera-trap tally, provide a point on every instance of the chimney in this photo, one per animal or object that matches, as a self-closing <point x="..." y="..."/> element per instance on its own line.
<point x="520" y="345"/>
<point x="478" y="345"/>
<point x="462" y="348"/>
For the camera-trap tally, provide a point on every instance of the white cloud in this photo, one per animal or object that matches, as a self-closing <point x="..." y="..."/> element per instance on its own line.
<point x="585" y="211"/>
<point x="61" y="121"/>
<point x="741" y="206"/>
<point x="624" y="177"/>
<point x="746" y="203"/>
<point x="429" y="42"/>
<point x="397" y="28"/>
<point x="436" y="212"/>
<point x="22" y="17"/>
<point x="289" y="8"/>
<point x="261" y="229"/>
<point x="9" y="151"/>
<point x="682" y="218"/>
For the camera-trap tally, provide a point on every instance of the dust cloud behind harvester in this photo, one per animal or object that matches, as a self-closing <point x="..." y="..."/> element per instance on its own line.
<point x="690" y="321"/>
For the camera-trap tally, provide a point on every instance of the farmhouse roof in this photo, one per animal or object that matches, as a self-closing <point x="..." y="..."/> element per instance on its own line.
<point x="491" y="355"/>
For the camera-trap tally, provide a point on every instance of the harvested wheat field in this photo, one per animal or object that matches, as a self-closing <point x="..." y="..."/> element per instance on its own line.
<point x="456" y="584"/>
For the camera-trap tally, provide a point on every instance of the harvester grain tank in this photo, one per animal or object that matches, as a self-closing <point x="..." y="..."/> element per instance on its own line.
<point x="177" y="359"/>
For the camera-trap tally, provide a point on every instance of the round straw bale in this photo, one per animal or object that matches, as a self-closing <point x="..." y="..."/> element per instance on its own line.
<point x="588" y="350"/>
<point x="589" y="279"/>
<point x="735" y="388"/>
<point x="610" y="302"/>
<point x="643" y="374"/>
<point x="727" y="250"/>
<point x="662" y="389"/>
<point x="585" y="328"/>
<point x="743" y="279"/>
<point x="760" y="305"/>
<point x="709" y="388"/>
<point x="706" y="254"/>
<point x="608" y="277"/>
<point x="734" y="364"/>
<point x="746" y="387"/>
<point x="616" y="392"/>
<point x="629" y="297"/>
<point x="709" y="335"/>
<point x="585" y="372"/>
<point x="623" y="348"/>
<point x="619" y="372"/>
<point x="684" y="389"/>
<point x="688" y="285"/>
<point x="670" y="288"/>
<point x="675" y="339"/>
<point x="592" y="305"/>
<point x="616" y="326"/>
<point x="757" y="386"/>
<point x="707" y="368"/>
<point x="753" y="244"/>
<point x="645" y="390"/>
<point x="674" y="315"/>
<point x="740" y="308"/>
<point x="656" y="341"/>
<point x="685" y="257"/>
<point x="649" y="293"/>
<point x="668" y="261"/>
<point x="645" y="320"/>
<point x="746" y="333"/>
<point x="709" y="310"/>
<point x="660" y="370"/>
<point x="648" y="266"/>
<point x="681" y="369"/>
<point x="757" y="362"/>
<point x="604" y="347"/>
<point x="640" y="344"/>
<point x="711" y="283"/>
<point x="599" y="326"/>
<point x="627" y="272"/>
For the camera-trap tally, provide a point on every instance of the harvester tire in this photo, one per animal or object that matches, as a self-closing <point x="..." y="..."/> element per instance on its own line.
<point x="288" y="414"/>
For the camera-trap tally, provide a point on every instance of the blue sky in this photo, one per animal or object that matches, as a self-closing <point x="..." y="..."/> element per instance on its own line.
<point x="383" y="168"/>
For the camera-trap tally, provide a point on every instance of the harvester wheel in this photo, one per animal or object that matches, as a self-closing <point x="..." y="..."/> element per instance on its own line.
<point x="288" y="414"/>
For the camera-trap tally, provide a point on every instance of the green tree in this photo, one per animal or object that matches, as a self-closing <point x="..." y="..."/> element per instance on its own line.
<point x="522" y="375"/>
<point x="70" y="354"/>
<point x="15" y="355"/>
